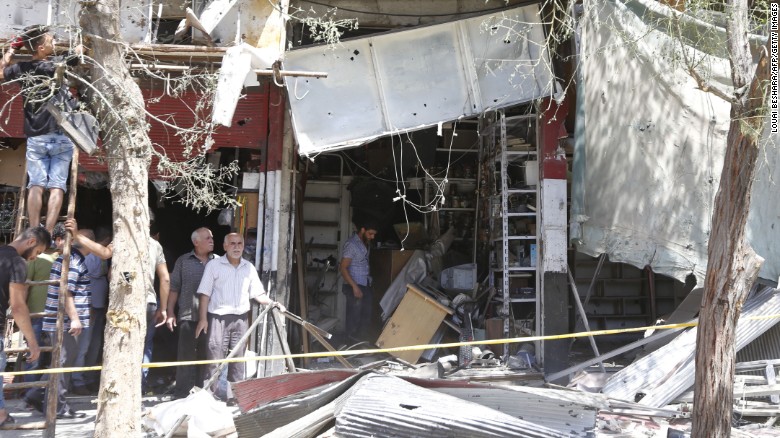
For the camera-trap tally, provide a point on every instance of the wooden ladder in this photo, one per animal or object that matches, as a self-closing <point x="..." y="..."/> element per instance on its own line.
<point x="53" y="382"/>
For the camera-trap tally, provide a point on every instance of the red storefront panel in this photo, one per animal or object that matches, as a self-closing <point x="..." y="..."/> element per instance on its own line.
<point x="257" y="122"/>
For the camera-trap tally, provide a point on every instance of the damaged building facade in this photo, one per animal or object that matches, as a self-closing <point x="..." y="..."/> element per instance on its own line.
<point x="522" y="187"/>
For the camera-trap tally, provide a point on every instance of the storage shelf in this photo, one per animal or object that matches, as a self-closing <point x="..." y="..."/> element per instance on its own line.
<point x="515" y="269"/>
<point x="321" y="200"/>
<point x="451" y="180"/>
<point x="322" y="246"/>
<point x="321" y="223"/>
<point x="456" y="209"/>
<point x="499" y="239"/>
<point x="457" y="150"/>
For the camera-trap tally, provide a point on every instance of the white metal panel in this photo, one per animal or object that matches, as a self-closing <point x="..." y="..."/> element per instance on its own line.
<point x="416" y="78"/>
<point x="554" y="211"/>
<point x="510" y="56"/>
<point x="334" y="109"/>
<point x="412" y="103"/>
<point x="654" y="148"/>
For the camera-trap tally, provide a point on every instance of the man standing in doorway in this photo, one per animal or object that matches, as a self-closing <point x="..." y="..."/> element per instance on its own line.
<point x="357" y="281"/>
<point x="156" y="315"/>
<point x="185" y="279"/>
<point x="229" y="283"/>
<point x="13" y="272"/>
<point x="49" y="150"/>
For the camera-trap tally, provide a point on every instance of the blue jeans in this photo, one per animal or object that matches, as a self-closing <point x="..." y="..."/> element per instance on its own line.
<point x="48" y="160"/>
<point x="151" y="309"/>
<point x="37" y="325"/>
<point x="85" y="337"/>
<point x="2" y="367"/>
<point x="359" y="311"/>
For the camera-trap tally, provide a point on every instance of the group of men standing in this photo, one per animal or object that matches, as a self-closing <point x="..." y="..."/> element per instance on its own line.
<point x="213" y="295"/>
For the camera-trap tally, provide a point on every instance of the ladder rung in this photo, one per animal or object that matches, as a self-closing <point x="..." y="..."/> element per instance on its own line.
<point x="25" y="350"/>
<point x="42" y="283"/>
<point x="25" y="385"/>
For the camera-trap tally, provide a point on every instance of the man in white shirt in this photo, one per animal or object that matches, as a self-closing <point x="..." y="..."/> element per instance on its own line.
<point x="229" y="283"/>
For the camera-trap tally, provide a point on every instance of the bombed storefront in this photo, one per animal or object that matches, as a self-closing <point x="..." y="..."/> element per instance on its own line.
<point x="460" y="136"/>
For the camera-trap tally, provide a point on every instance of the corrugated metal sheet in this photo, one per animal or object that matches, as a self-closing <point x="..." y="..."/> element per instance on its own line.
<point x="257" y="123"/>
<point x="251" y="394"/>
<point x="11" y="119"/>
<point x="669" y="371"/>
<point x="388" y="406"/>
<point x="300" y="409"/>
<point x="249" y="130"/>
<point x="546" y="407"/>
<point x="764" y="347"/>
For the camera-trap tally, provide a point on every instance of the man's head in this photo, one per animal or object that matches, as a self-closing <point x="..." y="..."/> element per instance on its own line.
<point x="234" y="247"/>
<point x="202" y="241"/>
<point x="58" y="235"/>
<point x="367" y="231"/>
<point x="32" y="242"/>
<point x="40" y="40"/>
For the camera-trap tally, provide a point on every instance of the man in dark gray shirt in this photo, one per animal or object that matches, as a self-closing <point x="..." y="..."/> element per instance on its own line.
<point x="186" y="276"/>
<point x="13" y="295"/>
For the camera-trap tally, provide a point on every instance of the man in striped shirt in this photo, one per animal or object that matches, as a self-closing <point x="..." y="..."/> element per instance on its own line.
<point x="357" y="281"/>
<point x="229" y="284"/>
<point x="76" y="318"/>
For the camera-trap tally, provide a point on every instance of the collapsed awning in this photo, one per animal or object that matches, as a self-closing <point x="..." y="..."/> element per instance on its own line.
<point x="416" y="78"/>
<point x="651" y="144"/>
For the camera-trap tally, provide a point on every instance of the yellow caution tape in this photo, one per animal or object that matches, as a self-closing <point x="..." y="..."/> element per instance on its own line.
<point x="383" y="350"/>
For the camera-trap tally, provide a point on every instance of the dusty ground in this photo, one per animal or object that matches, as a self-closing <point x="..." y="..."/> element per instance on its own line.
<point x="75" y="428"/>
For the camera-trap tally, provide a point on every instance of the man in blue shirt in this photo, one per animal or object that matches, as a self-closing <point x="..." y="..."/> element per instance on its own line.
<point x="357" y="280"/>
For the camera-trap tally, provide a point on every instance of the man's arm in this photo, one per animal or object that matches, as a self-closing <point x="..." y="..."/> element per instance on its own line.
<point x="203" y="322"/>
<point x="173" y="297"/>
<point x="343" y="268"/>
<point x="21" y="314"/>
<point x="73" y="314"/>
<point x="6" y="61"/>
<point x="104" y="252"/>
<point x="165" y="284"/>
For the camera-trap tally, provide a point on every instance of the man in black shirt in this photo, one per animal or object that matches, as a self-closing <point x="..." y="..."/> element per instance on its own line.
<point x="49" y="150"/>
<point x="13" y="294"/>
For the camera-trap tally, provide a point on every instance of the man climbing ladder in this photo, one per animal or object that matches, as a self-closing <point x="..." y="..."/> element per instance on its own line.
<point x="49" y="150"/>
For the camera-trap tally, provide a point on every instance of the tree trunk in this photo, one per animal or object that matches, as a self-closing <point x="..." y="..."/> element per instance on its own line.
<point x="732" y="265"/>
<point x="119" y="106"/>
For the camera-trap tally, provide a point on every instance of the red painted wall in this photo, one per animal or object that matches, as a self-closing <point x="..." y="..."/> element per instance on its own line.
<point x="257" y="123"/>
<point x="551" y="126"/>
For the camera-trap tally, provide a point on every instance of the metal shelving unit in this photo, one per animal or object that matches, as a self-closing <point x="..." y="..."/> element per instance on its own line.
<point x="512" y="145"/>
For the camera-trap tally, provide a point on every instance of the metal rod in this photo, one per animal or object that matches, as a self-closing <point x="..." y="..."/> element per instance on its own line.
<point x="215" y="375"/>
<point x="283" y="340"/>
<point x="581" y="311"/>
<point x="636" y="344"/>
<point x="259" y="72"/>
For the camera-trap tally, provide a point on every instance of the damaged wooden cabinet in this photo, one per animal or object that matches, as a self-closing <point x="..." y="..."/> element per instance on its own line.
<point x="511" y="167"/>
